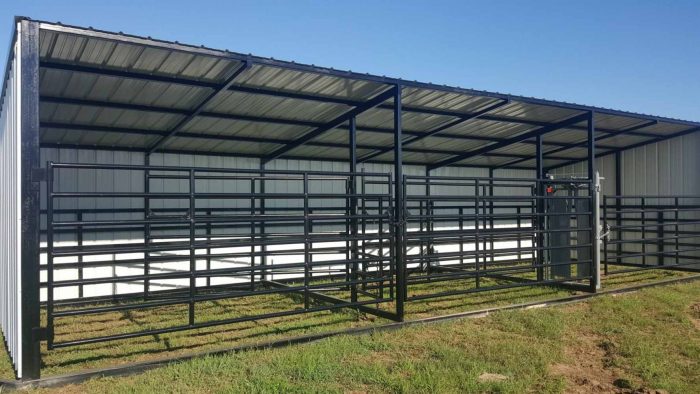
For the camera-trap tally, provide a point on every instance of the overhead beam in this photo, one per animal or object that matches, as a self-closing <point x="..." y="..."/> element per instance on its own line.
<point x="250" y="139"/>
<point x="200" y="107"/>
<point x="301" y="96"/>
<point x="335" y="123"/>
<point x="632" y="146"/>
<point x="585" y="142"/>
<point x="439" y="129"/>
<point x="280" y="121"/>
<point x="522" y="137"/>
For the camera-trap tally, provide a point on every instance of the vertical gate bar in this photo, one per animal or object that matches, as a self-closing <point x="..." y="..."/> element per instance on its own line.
<point x="79" y="218"/>
<point x="660" y="235"/>
<point x="263" y="247"/>
<point x="307" y="256"/>
<point x="380" y="233"/>
<point x="484" y="221"/>
<point x="348" y="240"/>
<point x="147" y="226"/>
<point x="644" y="232"/>
<point x="208" y="240"/>
<point x="252" y="233"/>
<point x="193" y="260"/>
<point x="352" y="136"/>
<point x="429" y="222"/>
<point x="49" y="257"/>
<point x="491" y="221"/>
<point x="618" y="205"/>
<point x="518" y="213"/>
<point x="461" y="235"/>
<point x="605" y="239"/>
<point x="540" y="209"/>
<point x="363" y="226"/>
<point x="30" y="192"/>
<point x="393" y="286"/>
<point x="678" y="235"/>
<point x="477" y="241"/>
<point x="592" y="192"/>
<point x="399" y="207"/>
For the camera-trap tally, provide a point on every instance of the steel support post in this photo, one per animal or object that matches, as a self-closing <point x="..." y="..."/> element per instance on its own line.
<point x="147" y="226"/>
<point x="30" y="189"/>
<point x="399" y="257"/>
<point x="540" y="208"/>
<point x="352" y="191"/>
<point x="593" y="194"/>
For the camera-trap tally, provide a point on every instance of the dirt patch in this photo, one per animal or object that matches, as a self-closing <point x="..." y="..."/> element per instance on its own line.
<point x="695" y="315"/>
<point x="590" y="368"/>
<point x="491" y="377"/>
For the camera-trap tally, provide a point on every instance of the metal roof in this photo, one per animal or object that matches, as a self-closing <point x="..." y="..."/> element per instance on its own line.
<point x="111" y="90"/>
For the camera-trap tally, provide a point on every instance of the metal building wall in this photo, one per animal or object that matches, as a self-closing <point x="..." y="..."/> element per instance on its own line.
<point x="10" y="213"/>
<point x="670" y="167"/>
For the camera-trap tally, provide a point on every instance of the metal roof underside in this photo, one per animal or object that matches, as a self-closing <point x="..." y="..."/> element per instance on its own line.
<point x="107" y="90"/>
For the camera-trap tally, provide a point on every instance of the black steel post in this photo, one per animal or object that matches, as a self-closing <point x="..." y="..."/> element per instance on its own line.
<point x="307" y="241"/>
<point x="476" y="232"/>
<point x="147" y="227"/>
<point x="354" y="255"/>
<point x="540" y="207"/>
<point x="491" y="221"/>
<point x="30" y="190"/>
<point x="399" y="208"/>
<point x="593" y="202"/>
<point x="193" y="259"/>
<point x="660" y="236"/>
<point x="49" y="256"/>
<point x="263" y="248"/>
<point x="618" y="206"/>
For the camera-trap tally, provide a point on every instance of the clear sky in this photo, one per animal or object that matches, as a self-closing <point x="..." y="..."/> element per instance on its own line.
<point x="635" y="55"/>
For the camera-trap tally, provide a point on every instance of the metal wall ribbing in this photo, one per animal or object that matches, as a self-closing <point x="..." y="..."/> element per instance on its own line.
<point x="10" y="213"/>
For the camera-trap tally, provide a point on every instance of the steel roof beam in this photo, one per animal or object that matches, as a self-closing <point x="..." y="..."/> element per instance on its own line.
<point x="637" y="145"/>
<point x="246" y="155"/>
<point x="584" y="143"/>
<point x="301" y="96"/>
<point x="200" y="107"/>
<point x="439" y="129"/>
<point x="510" y="141"/>
<point x="287" y="122"/>
<point x="378" y="99"/>
<point x="261" y="140"/>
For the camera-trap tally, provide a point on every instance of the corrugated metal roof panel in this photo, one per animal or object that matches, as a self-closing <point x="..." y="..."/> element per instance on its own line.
<point x="104" y="100"/>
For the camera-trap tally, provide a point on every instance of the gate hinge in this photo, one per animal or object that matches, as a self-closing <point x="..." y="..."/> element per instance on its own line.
<point x="38" y="174"/>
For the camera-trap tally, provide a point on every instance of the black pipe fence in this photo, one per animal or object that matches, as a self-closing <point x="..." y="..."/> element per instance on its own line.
<point x="493" y="233"/>
<point x="198" y="245"/>
<point x="309" y="241"/>
<point x="649" y="232"/>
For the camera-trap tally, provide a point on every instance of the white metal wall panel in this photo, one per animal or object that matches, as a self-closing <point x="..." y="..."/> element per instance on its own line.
<point x="10" y="213"/>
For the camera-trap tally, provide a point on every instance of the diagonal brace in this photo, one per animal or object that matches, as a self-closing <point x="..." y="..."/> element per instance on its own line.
<point x="335" y="123"/>
<point x="222" y="88"/>
<point x="510" y="141"/>
<point x="438" y="129"/>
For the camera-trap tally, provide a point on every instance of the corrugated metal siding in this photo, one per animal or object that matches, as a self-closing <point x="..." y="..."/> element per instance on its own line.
<point x="10" y="214"/>
<point x="665" y="168"/>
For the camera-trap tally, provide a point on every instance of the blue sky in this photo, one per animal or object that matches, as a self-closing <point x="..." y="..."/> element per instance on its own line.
<point x="635" y="55"/>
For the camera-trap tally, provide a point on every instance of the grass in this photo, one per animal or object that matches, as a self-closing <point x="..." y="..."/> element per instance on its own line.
<point x="145" y="348"/>
<point x="648" y="339"/>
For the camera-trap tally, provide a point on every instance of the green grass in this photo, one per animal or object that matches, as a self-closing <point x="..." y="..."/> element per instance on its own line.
<point x="649" y="340"/>
<point x="185" y="342"/>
